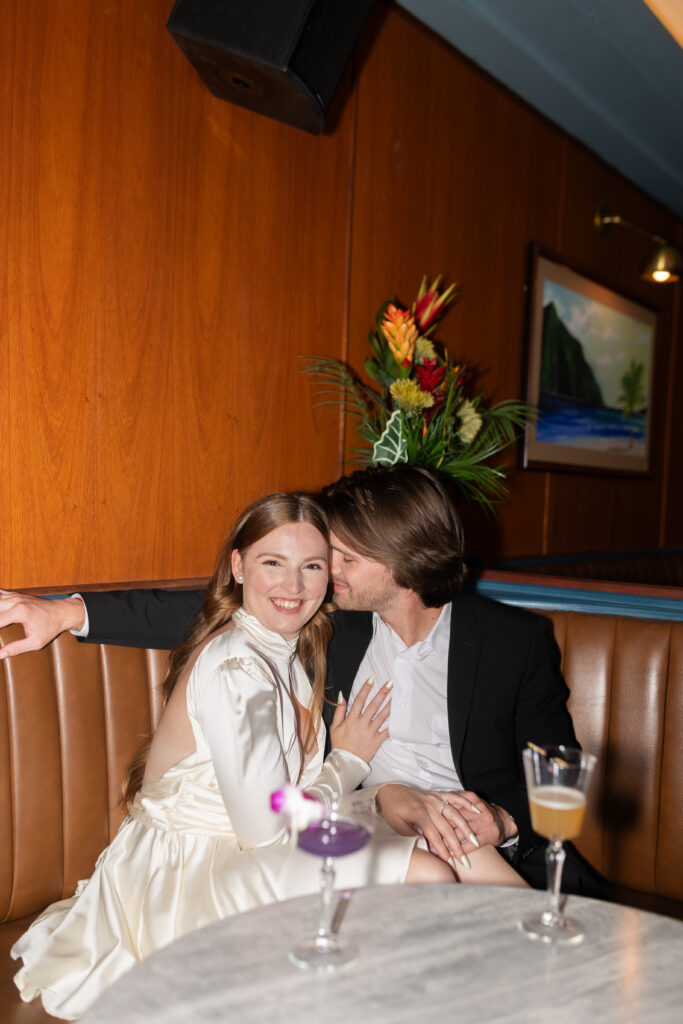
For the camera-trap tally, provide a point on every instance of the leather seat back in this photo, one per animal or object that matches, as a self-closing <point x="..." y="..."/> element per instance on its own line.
<point x="625" y="676"/>
<point x="73" y="715"/>
<point x="71" y="718"/>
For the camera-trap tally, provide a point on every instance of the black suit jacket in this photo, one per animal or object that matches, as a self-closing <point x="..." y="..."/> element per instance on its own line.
<point x="504" y="688"/>
<point x="504" y="683"/>
<point x="142" y="618"/>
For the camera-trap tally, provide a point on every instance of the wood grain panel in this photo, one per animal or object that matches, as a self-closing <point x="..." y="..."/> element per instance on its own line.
<point x="47" y="489"/>
<point x="672" y="512"/>
<point x="589" y="511"/>
<point x="453" y="175"/>
<point x="170" y="257"/>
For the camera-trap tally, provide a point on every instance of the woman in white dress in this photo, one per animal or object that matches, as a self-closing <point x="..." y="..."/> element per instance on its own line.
<point x="241" y="720"/>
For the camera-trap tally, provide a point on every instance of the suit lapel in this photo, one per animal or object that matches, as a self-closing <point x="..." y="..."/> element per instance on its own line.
<point x="463" y="661"/>
<point x="352" y="634"/>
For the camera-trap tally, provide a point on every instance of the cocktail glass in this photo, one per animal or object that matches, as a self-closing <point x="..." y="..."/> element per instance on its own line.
<point x="557" y="780"/>
<point x="345" y="829"/>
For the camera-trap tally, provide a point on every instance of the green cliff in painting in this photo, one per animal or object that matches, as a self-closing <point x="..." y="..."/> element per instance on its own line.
<point x="564" y="370"/>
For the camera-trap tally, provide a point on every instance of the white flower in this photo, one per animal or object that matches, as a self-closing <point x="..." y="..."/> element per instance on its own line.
<point x="424" y="349"/>
<point x="470" y="421"/>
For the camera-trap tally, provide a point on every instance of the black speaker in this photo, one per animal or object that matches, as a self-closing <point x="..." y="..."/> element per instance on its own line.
<point x="281" y="58"/>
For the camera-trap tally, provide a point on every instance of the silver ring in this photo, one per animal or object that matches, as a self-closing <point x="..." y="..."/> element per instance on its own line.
<point x="445" y="804"/>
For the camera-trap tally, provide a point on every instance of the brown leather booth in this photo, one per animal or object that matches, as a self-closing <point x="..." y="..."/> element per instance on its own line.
<point x="71" y="718"/>
<point x="72" y="715"/>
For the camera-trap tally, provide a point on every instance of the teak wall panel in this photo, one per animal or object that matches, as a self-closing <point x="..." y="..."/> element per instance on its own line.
<point x="168" y="257"/>
<point x="46" y="251"/>
<point x="602" y="511"/>
<point x="453" y="176"/>
<point x="672" y="516"/>
<point x="456" y="175"/>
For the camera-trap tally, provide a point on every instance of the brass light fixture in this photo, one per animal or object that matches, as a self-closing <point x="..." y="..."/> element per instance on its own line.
<point x="663" y="265"/>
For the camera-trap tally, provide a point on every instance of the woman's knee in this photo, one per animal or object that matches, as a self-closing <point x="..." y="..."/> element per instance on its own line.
<point x="425" y="867"/>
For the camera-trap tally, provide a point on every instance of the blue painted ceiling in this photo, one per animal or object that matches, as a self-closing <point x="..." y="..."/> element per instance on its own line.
<point x="606" y="71"/>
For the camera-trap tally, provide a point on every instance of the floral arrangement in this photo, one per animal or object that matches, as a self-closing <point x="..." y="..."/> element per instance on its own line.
<point x="423" y="412"/>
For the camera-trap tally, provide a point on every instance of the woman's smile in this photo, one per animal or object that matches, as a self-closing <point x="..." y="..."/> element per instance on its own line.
<point x="285" y="605"/>
<point x="284" y="577"/>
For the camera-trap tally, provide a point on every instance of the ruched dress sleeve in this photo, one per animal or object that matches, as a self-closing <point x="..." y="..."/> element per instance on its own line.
<point x="249" y="726"/>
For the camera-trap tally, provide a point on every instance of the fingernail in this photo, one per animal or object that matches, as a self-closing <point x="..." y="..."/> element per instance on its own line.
<point x="388" y="686"/>
<point x="452" y="863"/>
<point x="464" y="860"/>
<point x="473" y="839"/>
<point x="340" y="698"/>
<point x="475" y="809"/>
<point x="370" y="681"/>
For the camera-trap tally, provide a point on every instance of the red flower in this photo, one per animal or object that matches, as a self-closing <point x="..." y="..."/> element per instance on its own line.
<point x="430" y="375"/>
<point x="430" y="305"/>
<point x="432" y="378"/>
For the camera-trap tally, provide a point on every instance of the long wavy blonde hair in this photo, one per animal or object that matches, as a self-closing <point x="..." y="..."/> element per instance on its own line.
<point x="224" y="596"/>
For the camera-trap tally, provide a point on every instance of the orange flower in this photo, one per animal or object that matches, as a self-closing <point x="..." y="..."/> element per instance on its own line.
<point x="398" y="327"/>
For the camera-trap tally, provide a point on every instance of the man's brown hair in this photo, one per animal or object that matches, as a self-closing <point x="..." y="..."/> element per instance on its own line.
<point x="402" y="517"/>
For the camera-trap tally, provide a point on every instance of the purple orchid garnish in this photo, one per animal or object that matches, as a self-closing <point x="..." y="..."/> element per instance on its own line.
<point x="299" y="808"/>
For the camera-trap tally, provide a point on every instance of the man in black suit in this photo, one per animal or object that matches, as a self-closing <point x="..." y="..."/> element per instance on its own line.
<point x="474" y="680"/>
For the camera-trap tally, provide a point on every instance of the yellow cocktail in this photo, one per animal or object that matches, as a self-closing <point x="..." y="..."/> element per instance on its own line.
<point x="557" y="812"/>
<point x="556" y="781"/>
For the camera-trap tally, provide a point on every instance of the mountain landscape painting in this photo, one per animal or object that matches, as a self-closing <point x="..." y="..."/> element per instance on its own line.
<point x="592" y="374"/>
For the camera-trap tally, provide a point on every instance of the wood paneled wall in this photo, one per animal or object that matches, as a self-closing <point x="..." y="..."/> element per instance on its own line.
<point x="168" y="256"/>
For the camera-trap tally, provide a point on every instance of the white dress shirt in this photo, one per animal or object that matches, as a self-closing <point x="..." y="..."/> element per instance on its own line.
<point x="418" y="751"/>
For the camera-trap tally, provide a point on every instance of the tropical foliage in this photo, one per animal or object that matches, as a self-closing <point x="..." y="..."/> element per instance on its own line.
<point x="419" y="408"/>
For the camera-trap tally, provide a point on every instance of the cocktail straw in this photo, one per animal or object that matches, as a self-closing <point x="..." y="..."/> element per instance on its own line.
<point x="544" y="753"/>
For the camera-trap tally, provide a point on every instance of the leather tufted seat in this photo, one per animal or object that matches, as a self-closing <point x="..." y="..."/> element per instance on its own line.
<point x="625" y="676"/>
<point x="72" y="716"/>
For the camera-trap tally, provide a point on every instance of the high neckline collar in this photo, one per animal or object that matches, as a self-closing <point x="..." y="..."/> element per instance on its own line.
<point x="259" y="632"/>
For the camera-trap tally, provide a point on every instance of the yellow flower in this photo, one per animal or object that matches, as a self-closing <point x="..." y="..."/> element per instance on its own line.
<point x="408" y="396"/>
<point x="398" y="327"/>
<point x="424" y="350"/>
<point x="470" y="422"/>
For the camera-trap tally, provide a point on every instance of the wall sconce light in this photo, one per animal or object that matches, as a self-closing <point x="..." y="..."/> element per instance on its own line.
<point x="663" y="265"/>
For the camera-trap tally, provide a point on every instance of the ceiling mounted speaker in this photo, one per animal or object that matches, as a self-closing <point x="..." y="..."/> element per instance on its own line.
<point x="281" y="58"/>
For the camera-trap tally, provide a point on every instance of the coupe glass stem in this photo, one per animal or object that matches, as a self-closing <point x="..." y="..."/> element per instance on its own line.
<point x="554" y="859"/>
<point x="326" y="902"/>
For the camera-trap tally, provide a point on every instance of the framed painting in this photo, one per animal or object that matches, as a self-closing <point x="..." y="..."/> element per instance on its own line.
<point x="590" y="365"/>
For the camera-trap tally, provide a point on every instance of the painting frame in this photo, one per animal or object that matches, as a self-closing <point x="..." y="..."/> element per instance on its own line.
<point x="589" y="372"/>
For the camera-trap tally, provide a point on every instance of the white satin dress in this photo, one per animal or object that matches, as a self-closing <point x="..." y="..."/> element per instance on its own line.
<point x="201" y="843"/>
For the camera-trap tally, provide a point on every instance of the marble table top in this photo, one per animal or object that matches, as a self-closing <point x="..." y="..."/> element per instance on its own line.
<point x="443" y="953"/>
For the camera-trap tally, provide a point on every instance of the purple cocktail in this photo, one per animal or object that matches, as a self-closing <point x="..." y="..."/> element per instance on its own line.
<point x="333" y="838"/>
<point x="335" y="835"/>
